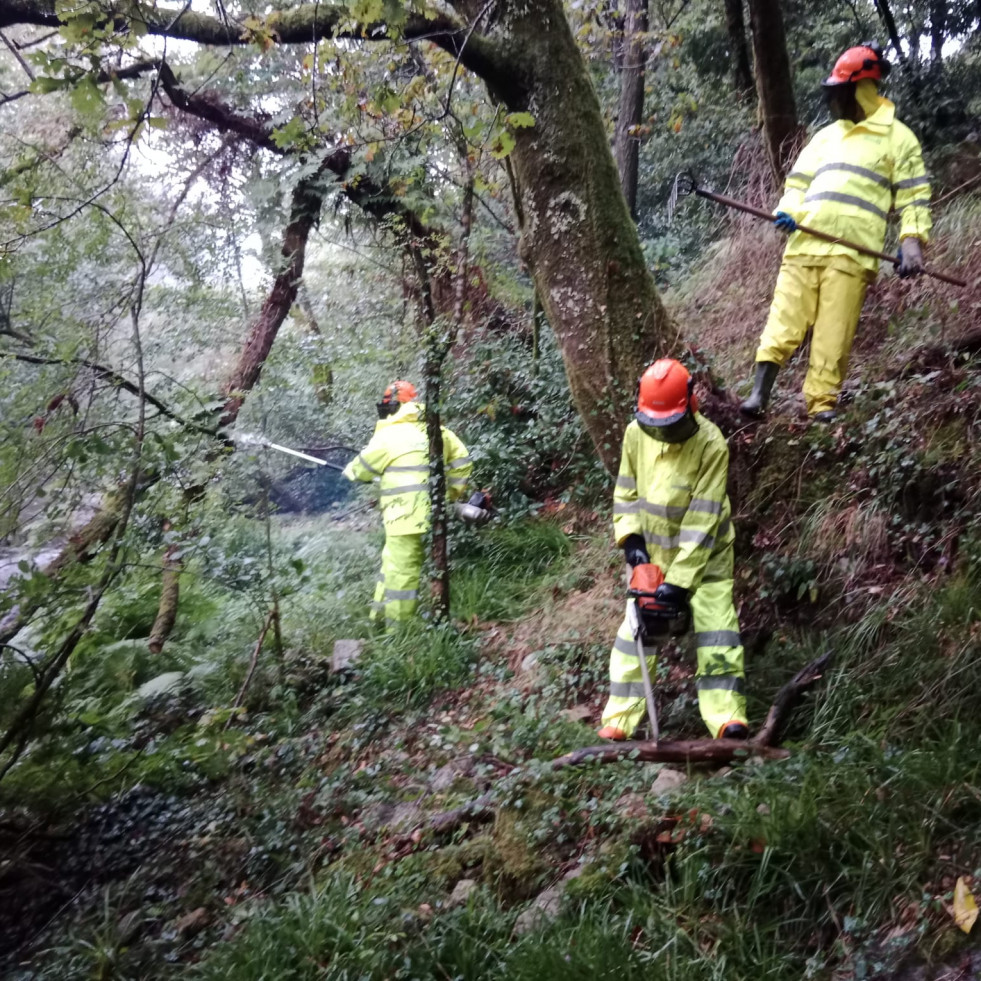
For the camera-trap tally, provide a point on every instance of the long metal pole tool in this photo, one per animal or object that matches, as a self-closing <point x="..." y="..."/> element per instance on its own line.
<point x="260" y="441"/>
<point x="686" y="184"/>
<point x="645" y="673"/>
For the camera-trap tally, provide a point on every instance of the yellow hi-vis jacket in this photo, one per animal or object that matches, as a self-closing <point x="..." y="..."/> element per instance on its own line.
<point x="398" y="455"/>
<point x="674" y="494"/>
<point x="848" y="178"/>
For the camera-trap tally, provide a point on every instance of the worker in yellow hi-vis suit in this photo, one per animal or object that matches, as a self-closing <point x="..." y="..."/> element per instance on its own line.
<point x="670" y="508"/>
<point x="845" y="182"/>
<point x="398" y="456"/>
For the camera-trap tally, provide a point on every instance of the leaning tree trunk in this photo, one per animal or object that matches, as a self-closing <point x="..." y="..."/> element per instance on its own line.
<point x="739" y="67"/>
<point x="626" y="141"/>
<point x="576" y="232"/>
<point x="774" y="85"/>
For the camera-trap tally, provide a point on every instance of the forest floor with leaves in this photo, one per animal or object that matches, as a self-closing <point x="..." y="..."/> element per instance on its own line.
<point x="157" y="832"/>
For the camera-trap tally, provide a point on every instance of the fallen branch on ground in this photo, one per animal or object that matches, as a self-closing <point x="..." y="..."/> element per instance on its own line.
<point x="715" y="751"/>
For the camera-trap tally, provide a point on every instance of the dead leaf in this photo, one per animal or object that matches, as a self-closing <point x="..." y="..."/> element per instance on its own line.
<point x="965" y="908"/>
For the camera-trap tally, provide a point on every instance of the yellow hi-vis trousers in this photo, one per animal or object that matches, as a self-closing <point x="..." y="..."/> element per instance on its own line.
<point x="397" y="588"/>
<point x="719" y="675"/>
<point x="825" y="295"/>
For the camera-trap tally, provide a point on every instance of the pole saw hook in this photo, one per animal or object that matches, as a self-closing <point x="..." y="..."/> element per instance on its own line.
<point x="684" y="184"/>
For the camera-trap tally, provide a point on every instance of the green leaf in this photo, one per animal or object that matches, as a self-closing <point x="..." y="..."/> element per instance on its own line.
<point x="87" y="100"/>
<point x="44" y="84"/>
<point x="519" y="120"/>
<point x="503" y="145"/>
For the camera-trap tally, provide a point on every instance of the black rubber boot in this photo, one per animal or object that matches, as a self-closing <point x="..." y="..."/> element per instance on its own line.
<point x="766" y="375"/>
<point x="827" y="417"/>
<point x="735" y="730"/>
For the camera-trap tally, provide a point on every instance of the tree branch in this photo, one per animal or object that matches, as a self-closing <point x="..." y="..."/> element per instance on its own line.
<point x="117" y="379"/>
<point x="305" y="23"/>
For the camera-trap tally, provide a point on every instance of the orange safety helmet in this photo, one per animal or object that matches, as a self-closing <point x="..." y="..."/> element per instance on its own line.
<point x="864" y="61"/>
<point x="396" y="394"/>
<point x="400" y="391"/>
<point x="665" y="394"/>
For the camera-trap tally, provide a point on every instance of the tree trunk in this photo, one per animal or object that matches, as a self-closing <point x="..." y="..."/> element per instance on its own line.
<point x="882" y="8"/>
<point x="938" y="31"/>
<point x="774" y="85"/>
<point x="742" y="75"/>
<point x="626" y="141"/>
<point x="166" y="616"/>
<point x="308" y="197"/>
<point x="576" y="232"/>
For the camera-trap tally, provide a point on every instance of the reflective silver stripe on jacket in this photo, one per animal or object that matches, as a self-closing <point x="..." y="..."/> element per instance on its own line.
<point x="406" y="468"/>
<point x="458" y="481"/>
<point x="705" y="506"/>
<point x="918" y="203"/>
<point x="456" y="464"/>
<point x="717" y="638"/>
<point x="626" y="483"/>
<point x="401" y="594"/>
<point x="686" y="537"/>
<point x="855" y="169"/>
<point x="404" y="489"/>
<point x="799" y="175"/>
<point x="720" y="682"/>
<point x="364" y="463"/>
<point x="627" y="689"/>
<point x="674" y="512"/>
<point x="852" y="199"/>
<point x="632" y="508"/>
<point x="911" y="182"/>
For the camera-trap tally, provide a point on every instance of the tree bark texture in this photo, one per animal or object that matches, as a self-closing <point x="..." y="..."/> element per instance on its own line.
<point x="626" y="142"/>
<point x="774" y="85"/>
<point x="577" y="235"/>
<point x="739" y="65"/>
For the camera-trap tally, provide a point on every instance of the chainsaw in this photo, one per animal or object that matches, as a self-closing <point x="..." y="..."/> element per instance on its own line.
<point x="652" y="621"/>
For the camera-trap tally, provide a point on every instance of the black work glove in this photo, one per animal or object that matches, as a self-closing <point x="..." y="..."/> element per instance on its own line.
<point x="635" y="550"/>
<point x="676" y="595"/>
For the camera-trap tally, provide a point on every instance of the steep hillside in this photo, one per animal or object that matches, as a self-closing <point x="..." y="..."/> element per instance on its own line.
<point x="319" y="835"/>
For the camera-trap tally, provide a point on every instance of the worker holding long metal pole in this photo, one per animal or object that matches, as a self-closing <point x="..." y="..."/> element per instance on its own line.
<point x="843" y="184"/>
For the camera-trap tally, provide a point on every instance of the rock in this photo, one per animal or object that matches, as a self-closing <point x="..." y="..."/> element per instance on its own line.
<point x="545" y="906"/>
<point x="668" y="781"/>
<point x="405" y="816"/>
<point x="632" y="806"/>
<point x="192" y="923"/>
<point x="578" y="713"/>
<point x="461" y="892"/>
<point x="447" y="775"/>
<point x="529" y="663"/>
<point x="346" y="654"/>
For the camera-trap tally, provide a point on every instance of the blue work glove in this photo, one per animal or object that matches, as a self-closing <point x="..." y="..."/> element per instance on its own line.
<point x="784" y="222"/>
<point x="910" y="257"/>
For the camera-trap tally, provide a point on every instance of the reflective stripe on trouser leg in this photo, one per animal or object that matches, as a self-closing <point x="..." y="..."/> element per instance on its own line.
<point x="840" y="298"/>
<point x="397" y="591"/>
<point x="720" y="677"/>
<point x="626" y="706"/>
<point x="792" y="311"/>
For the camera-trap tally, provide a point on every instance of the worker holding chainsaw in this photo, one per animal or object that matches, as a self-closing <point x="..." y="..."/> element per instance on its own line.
<point x="845" y="182"/>
<point x="671" y="518"/>
<point x="398" y="457"/>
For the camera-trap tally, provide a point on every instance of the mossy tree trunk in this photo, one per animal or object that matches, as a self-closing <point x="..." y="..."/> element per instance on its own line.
<point x="739" y="65"/>
<point x="577" y="235"/>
